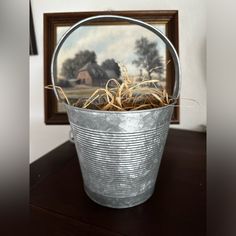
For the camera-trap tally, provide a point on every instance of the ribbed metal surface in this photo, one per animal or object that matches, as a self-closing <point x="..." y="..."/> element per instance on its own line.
<point x="120" y="160"/>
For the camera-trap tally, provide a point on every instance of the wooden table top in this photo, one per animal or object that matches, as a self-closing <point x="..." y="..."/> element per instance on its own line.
<point x="59" y="205"/>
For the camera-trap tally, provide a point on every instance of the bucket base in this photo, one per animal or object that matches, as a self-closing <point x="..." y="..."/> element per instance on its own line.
<point x="119" y="202"/>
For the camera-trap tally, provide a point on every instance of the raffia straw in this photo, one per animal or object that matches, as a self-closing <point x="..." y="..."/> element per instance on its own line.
<point x="141" y="106"/>
<point x="158" y="67"/>
<point x="122" y="101"/>
<point x="128" y="95"/>
<point x="84" y="106"/>
<point x="145" y="82"/>
<point x="107" y="92"/>
<point x="60" y="90"/>
<point x="158" y="98"/>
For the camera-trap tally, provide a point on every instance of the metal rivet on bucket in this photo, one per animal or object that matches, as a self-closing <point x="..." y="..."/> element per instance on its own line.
<point x="119" y="152"/>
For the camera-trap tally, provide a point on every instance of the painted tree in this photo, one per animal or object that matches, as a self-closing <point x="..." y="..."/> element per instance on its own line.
<point x="71" y="66"/>
<point x="110" y="64"/>
<point x="148" y="56"/>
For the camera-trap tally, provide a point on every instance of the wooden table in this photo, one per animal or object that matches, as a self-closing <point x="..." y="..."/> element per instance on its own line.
<point x="59" y="205"/>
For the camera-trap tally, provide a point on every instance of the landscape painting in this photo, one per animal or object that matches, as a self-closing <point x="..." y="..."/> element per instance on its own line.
<point x="101" y="50"/>
<point x="93" y="54"/>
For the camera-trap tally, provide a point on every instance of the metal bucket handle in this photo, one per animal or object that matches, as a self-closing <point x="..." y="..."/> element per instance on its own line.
<point x="131" y="20"/>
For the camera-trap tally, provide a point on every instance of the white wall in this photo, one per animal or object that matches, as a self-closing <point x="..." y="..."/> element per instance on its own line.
<point x="192" y="42"/>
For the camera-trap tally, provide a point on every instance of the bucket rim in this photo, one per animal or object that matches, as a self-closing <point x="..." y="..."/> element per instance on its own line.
<point x="121" y="112"/>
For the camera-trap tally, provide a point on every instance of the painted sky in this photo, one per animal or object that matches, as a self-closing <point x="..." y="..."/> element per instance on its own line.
<point x="109" y="41"/>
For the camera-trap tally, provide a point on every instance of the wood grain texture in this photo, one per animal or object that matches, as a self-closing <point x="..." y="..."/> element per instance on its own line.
<point x="177" y="207"/>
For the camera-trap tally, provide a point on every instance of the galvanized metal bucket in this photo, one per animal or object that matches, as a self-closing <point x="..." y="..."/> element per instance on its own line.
<point x="119" y="152"/>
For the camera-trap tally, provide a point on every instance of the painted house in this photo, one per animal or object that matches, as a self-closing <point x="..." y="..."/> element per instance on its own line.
<point x="92" y="75"/>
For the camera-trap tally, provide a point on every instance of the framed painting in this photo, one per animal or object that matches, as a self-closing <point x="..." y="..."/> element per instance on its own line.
<point x="90" y="55"/>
